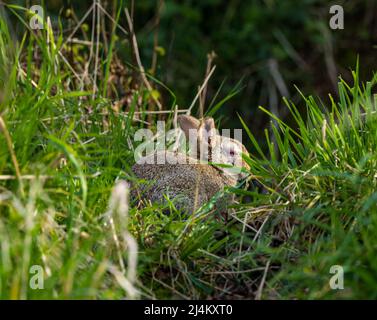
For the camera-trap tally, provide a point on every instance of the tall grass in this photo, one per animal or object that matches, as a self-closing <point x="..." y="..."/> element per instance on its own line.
<point x="63" y="148"/>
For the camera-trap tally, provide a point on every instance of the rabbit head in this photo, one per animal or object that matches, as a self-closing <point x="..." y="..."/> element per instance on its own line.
<point x="208" y="145"/>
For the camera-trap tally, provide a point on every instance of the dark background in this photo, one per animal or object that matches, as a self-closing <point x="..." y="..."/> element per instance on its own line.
<point x="265" y="48"/>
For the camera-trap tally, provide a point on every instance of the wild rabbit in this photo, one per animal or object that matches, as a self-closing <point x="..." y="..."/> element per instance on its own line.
<point x="193" y="180"/>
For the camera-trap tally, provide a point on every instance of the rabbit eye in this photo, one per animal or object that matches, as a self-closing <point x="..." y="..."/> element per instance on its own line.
<point x="231" y="152"/>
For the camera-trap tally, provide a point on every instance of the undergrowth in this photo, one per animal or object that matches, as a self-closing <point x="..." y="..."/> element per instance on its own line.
<point x="67" y="138"/>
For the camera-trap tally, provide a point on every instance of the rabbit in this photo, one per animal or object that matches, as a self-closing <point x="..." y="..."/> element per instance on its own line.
<point x="190" y="180"/>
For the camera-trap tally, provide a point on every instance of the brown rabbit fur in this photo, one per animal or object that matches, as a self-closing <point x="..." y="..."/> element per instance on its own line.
<point x="185" y="180"/>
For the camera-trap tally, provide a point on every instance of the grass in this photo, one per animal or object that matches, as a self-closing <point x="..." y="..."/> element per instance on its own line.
<point x="63" y="147"/>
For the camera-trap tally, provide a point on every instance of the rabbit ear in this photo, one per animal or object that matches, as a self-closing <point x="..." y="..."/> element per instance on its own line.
<point x="187" y="122"/>
<point x="207" y="130"/>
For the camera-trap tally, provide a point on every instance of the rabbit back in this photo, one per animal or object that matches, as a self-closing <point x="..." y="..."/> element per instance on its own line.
<point x="190" y="184"/>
